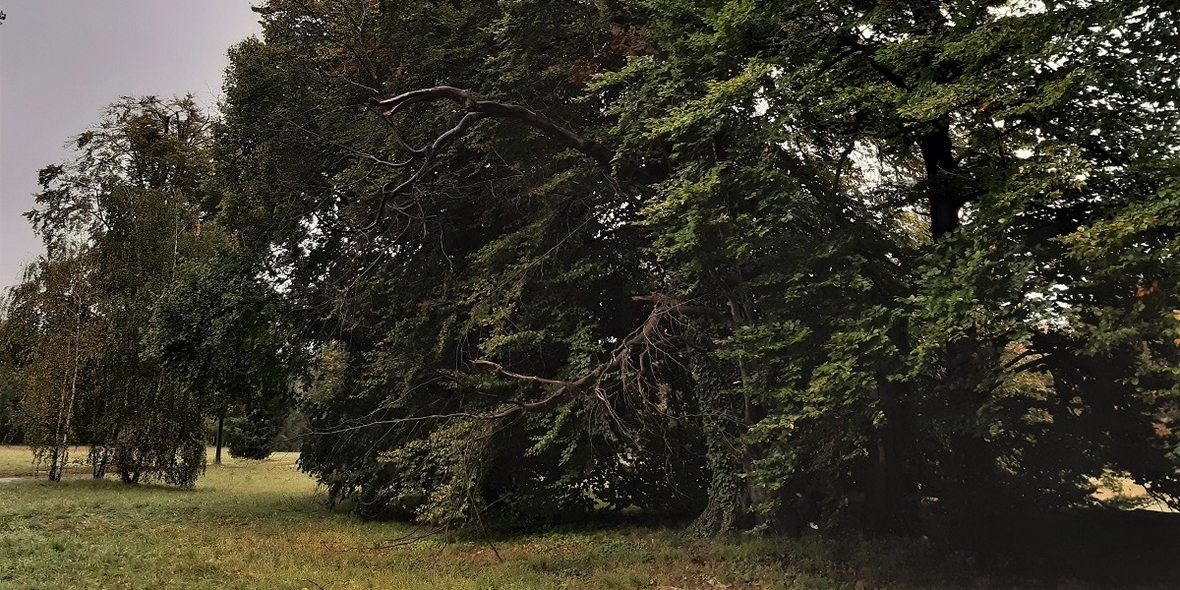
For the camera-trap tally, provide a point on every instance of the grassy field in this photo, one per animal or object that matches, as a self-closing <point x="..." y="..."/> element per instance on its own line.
<point x="263" y="525"/>
<point x="17" y="461"/>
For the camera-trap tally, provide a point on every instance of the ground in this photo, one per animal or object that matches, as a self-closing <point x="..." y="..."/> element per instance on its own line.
<point x="262" y="524"/>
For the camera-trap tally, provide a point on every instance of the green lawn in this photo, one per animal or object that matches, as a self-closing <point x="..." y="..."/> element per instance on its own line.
<point x="263" y="525"/>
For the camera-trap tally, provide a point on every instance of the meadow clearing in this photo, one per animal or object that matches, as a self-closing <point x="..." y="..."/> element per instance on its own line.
<point x="262" y="524"/>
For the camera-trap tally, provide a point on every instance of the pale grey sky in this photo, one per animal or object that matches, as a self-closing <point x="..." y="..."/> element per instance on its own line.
<point x="62" y="61"/>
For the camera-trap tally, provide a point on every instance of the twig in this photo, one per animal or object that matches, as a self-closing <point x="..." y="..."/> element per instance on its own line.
<point x="412" y="537"/>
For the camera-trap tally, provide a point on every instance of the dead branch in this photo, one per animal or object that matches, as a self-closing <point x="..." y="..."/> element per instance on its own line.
<point x="631" y="361"/>
<point x="677" y="307"/>
<point x="500" y="369"/>
<point x="412" y="537"/>
<point x="469" y="102"/>
<point x="475" y="111"/>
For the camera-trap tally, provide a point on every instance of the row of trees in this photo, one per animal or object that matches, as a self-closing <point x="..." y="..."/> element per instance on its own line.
<point x="748" y="261"/>
<point x="140" y="321"/>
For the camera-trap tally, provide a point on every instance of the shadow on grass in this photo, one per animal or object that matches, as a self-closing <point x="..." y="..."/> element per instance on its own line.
<point x="1079" y="550"/>
<point x="1100" y="546"/>
<point x="1082" y="550"/>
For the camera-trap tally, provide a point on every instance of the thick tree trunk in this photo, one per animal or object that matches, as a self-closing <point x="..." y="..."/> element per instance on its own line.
<point x="890" y="489"/>
<point x="737" y="501"/>
<point x="944" y="193"/>
<point x="728" y="497"/>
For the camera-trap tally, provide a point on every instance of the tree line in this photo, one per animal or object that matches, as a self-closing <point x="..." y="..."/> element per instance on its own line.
<point x="758" y="264"/>
<point x="139" y="321"/>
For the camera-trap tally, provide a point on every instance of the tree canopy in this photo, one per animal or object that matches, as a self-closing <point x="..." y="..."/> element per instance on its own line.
<point x="763" y="264"/>
<point x="137" y="323"/>
<point x="780" y="253"/>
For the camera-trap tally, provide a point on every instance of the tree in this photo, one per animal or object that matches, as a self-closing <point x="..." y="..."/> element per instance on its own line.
<point x="425" y="306"/>
<point x="220" y="331"/>
<point x="54" y="310"/>
<point x="912" y="386"/>
<point x="118" y="220"/>
<point x="683" y="234"/>
<point x="13" y="354"/>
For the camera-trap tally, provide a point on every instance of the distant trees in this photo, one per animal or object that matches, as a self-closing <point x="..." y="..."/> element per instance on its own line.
<point x="220" y="331"/>
<point x="132" y="257"/>
<point x="10" y="393"/>
<point x="118" y="219"/>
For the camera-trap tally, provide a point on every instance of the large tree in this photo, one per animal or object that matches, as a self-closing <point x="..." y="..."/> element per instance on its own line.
<point x="785" y="252"/>
<point x="527" y="263"/>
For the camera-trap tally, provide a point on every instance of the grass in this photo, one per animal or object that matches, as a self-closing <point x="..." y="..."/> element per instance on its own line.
<point x="263" y="525"/>
<point x="17" y="461"/>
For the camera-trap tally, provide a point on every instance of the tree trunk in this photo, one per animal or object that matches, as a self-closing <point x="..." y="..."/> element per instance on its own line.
<point x="942" y="189"/>
<point x="737" y="501"/>
<point x="890" y="488"/>
<point x="99" y="458"/>
<point x="220" y="430"/>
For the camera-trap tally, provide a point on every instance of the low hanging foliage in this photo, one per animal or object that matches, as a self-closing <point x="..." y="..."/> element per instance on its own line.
<point x="766" y="265"/>
<point x="749" y="261"/>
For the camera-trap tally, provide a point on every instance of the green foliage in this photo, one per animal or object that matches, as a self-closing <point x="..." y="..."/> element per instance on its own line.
<point x="871" y="249"/>
<point x="221" y="331"/>
<point x="52" y="335"/>
<point x="524" y="261"/>
<point x="118" y="221"/>
<point x="749" y="261"/>
<point x="253" y="435"/>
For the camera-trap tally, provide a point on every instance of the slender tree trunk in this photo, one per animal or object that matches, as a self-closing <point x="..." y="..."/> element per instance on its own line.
<point x="99" y="458"/>
<point x="66" y="411"/>
<point x="220" y="430"/>
<point x="64" y="441"/>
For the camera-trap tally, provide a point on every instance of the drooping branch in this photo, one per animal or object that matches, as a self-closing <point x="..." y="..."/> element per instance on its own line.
<point x="630" y="363"/>
<point x="654" y="334"/>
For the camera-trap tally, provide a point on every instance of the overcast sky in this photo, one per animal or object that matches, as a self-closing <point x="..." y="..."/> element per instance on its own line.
<point x="62" y="61"/>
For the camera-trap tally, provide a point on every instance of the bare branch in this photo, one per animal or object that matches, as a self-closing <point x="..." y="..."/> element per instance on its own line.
<point x="468" y="101"/>
<point x="500" y="369"/>
<point x="673" y="305"/>
<point x="631" y="362"/>
<point x="640" y="341"/>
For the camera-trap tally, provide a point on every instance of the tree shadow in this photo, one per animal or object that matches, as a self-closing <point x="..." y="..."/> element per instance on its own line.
<point x="1100" y="547"/>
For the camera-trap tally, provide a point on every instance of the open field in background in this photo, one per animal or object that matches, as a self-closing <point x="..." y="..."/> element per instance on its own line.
<point x="262" y="525"/>
<point x="17" y="461"/>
